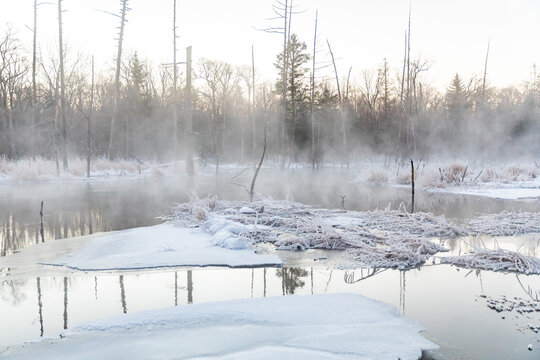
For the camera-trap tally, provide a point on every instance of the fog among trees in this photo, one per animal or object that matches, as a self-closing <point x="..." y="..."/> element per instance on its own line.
<point x="391" y="111"/>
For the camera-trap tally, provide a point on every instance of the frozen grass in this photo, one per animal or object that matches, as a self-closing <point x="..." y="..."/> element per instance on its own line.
<point x="439" y="175"/>
<point x="30" y="169"/>
<point x="506" y="223"/>
<point x="496" y="260"/>
<point x="381" y="238"/>
<point x="377" y="178"/>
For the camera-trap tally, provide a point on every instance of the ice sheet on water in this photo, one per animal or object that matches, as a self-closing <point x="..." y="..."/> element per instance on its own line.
<point x="165" y="245"/>
<point x="333" y="326"/>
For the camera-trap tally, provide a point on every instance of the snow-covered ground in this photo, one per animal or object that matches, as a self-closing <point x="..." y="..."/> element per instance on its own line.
<point x="513" y="190"/>
<point x="336" y="326"/>
<point x="165" y="245"/>
<point x="511" y="182"/>
<point x="39" y="169"/>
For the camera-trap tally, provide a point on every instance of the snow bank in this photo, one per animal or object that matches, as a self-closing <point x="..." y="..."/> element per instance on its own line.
<point x="506" y="191"/>
<point x="336" y="326"/>
<point x="164" y="245"/>
<point x="382" y="238"/>
<point x="506" y="223"/>
<point x="496" y="260"/>
<point x="40" y="169"/>
<point x="512" y="182"/>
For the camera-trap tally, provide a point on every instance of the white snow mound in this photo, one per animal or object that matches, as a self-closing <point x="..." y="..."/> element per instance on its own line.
<point x="336" y="326"/>
<point x="165" y="245"/>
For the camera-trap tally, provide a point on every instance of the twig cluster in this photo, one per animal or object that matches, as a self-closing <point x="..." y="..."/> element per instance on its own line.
<point x="506" y="223"/>
<point x="381" y="238"/>
<point x="496" y="260"/>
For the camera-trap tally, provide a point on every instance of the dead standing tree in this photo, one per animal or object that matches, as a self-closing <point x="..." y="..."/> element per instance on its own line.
<point x="188" y="126"/>
<point x="283" y="11"/>
<point x="62" y="89"/>
<point x="312" y="97"/>
<point x="117" y="75"/>
<point x="344" y="155"/>
<point x="12" y="76"/>
<point x="252" y="188"/>
<point x="174" y="93"/>
<point x="88" y="117"/>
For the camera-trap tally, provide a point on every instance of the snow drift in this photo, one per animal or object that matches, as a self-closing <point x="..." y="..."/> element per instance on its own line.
<point x="165" y="245"/>
<point x="312" y="327"/>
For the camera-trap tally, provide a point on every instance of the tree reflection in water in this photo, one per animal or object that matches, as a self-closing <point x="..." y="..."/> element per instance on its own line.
<point x="65" y="302"/>
<point x="123" y="294"/>
<point x="12" y="291"/>
<point x="291" y="279"/>
<point x="40" y="306"/>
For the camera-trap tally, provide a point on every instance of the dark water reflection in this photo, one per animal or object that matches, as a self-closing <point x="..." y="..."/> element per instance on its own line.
<point x="80" y="208"/>
<point x="444" y="299"/>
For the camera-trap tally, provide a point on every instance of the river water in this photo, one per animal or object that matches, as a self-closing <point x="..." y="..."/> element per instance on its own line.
<point x="450" y="303"/>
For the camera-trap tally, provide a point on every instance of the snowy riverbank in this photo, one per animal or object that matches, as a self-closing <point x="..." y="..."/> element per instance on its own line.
<point x="165" y="245"/>
<point x="312" y="327"/>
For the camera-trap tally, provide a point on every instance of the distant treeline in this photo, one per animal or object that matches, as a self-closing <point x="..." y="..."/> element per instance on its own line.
<point x="390" y="111"/>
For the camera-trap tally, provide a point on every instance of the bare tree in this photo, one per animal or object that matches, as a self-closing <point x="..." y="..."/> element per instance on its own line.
<point x="344" y="155"/>
<point x="485" y="76"/>
<point x="117" y="76"/>
<point x="34" y="87"/>
<point x="12" y="71"/>
<point x="252" y="188"/>
<point x="188" y="130"/>
<point x="174" y="94"/>
<point x="312" y="97"/>
<point x="62" y="89"/>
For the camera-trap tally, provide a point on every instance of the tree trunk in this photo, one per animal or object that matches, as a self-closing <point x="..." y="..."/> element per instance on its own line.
<point x="89" y="128"/>
<point x="175" y="80"/>
<point x="34" y="90"/>
<point x="62" y="89"/>
<point x="313" y="149"/>
<point x="117" y="79"/>
<point x="188" y="131"/>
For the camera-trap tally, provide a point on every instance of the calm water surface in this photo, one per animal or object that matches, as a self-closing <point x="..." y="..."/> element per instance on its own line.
<point x="444" y="299"/>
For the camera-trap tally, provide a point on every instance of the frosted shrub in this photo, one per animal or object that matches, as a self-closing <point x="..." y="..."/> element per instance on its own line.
<point x="429" y="178"/>
<point x="497" y="260"/>
<point x="377" y="178"/>
<point x="404" y="179"/>
<point x="399" y="239"/>
<point x="488" y="175"/>
<point x="454" y="173"/>
<point x="506" y="223"/>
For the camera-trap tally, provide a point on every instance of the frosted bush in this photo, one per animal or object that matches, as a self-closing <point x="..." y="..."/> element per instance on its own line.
<point x="496" y="260"/>
<point x="453" y="173"/>
<point x="400" y="239"/>
<point x="404" y="179"/>
<point x="488" y="175"/>
<point x="506" y="223"/>
<point x="377" y="178"/>
<point x="429" y="178"/>
<point x="30" y="169"/>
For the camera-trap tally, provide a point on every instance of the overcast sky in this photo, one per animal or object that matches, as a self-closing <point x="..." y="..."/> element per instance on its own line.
<point x="452" y="35"/>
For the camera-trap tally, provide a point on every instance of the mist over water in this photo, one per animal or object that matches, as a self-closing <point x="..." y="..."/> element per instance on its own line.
<point x="73" y="208"/>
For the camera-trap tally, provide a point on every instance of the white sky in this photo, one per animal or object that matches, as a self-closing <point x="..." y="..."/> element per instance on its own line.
<point x="453" y="35"/>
